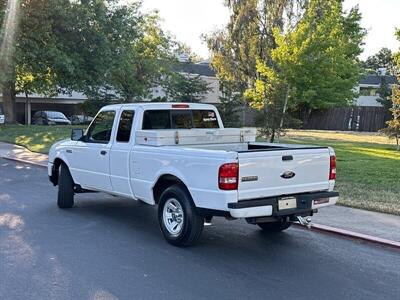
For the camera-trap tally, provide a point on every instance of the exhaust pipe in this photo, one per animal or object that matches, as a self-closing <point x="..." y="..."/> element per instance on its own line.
<point x="304" y="221"/>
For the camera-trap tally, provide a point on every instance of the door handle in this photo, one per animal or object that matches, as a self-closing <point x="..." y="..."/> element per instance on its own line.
<point x="103" y="152"/>
<point x="287" y="157"/>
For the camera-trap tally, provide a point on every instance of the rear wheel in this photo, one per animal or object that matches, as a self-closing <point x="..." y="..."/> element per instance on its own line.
<point x="179" y="221"/>
<point x="65" y="197"/>
<point x="274" y="226"/>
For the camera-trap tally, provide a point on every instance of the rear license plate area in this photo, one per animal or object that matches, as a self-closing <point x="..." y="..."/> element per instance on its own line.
<point x="287" y="203"/>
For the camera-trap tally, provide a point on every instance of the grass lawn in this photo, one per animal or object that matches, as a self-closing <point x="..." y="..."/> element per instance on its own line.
<point x="367" y="164"/>
<point x="36" y="138"/>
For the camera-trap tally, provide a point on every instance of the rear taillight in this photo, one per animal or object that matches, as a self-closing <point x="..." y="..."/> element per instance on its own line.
<point x="228" y="176"/>
<point x="332" y="169"/>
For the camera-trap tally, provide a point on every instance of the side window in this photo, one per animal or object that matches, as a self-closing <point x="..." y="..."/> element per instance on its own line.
<point x="181" y="119"/>
<point x="205" y="119"/>
<point x="101" y="127"/>
<point x="156" y="119"/>
<point x="125" y="126"/>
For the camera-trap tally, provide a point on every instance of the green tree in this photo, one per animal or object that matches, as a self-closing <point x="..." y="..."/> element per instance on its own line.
<point x="383" y="59"/>
<point x="89" y="46"/>
<point x="318" y="58"/>
<point x="384" y="93"/>
<point x="180" y="87"/>
<point x="289" y="55"/>
<point x="143" y="54"/>
<point x="52" y="46"/>
<point x="231" y="106"/>
<point x="393" y="126"/>
<point x="245" y="44"/>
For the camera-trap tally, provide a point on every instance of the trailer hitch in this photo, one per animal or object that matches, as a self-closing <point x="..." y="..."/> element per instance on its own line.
<point x="304" y="221"/>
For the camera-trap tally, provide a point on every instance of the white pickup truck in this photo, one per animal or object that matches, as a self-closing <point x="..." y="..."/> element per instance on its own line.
<point x="180" y="157"/>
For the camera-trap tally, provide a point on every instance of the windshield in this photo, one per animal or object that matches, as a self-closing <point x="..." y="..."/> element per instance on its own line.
<point x="55" y="115"/>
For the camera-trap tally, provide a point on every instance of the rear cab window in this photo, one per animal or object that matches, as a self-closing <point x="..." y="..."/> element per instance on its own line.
<point x="179" y="119"/>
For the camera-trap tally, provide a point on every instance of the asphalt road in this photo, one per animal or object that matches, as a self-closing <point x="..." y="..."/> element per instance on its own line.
<point x="111" y="248"/>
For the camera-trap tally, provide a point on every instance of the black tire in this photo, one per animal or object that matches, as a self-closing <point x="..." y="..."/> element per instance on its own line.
<point x="193" y="223"/>
<point x="65" y="197"/>
<point x="274" y="226"/>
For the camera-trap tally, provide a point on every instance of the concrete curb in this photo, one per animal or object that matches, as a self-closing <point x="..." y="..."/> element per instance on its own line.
<point x="24" y="161"/>
<point x="353" y="235"/>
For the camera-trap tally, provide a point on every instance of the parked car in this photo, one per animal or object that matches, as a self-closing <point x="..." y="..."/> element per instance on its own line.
<point x="181" y="157"/>
<point x="80" y="119"/>
<point x="2" y="117"/>
<point x="48" y="117"/>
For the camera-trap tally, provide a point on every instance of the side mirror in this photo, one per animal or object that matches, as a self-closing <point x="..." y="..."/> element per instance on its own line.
<point x="76" y="134"/>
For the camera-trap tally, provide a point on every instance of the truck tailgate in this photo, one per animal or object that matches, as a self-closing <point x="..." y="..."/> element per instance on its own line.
<point x="282" y="172"/>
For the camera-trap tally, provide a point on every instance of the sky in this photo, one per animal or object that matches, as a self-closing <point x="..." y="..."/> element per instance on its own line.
<point x="187" y="20"/>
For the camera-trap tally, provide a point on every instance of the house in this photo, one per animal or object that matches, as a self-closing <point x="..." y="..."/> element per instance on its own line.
<point x="368" y="89"/>
<point x="69" y="103"/>
<point x="201" y="69"/>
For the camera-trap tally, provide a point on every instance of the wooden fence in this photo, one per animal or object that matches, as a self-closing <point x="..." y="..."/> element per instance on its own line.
<point x="360" y="118"/>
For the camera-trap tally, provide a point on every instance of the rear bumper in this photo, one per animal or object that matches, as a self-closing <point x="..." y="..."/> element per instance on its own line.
<point x="265" y="207"/>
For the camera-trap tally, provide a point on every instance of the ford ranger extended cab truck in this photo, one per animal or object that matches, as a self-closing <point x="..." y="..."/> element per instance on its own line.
<point x="180" y="157"/>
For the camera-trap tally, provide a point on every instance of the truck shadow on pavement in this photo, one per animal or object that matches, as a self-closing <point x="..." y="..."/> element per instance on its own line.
<point x="139" y="220"/>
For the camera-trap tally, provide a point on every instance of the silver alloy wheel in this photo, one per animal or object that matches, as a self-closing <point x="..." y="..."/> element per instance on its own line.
<point x="173" y="216"/>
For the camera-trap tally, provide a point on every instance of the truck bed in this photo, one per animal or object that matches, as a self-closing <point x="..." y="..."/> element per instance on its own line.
<point x="267" y="169"/>
<point x="252" y="147"/>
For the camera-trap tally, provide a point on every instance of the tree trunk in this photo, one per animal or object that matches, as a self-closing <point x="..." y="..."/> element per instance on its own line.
<point x="9" y="105"/>
<point x="272" y="137"/>
<point x="285" y="105"/>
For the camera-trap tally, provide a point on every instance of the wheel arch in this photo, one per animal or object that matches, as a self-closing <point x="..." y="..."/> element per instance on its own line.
<point x="55" y="170"/>
<point x="163" y="182"/>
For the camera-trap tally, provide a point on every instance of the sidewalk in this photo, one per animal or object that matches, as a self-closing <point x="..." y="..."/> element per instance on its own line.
<point x="20" y="153"/>
<point x="357" y="220"/>
<point x="361" y="221"/>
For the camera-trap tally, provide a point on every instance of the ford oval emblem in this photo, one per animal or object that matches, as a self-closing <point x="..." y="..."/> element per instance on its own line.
<point x="288" y="174"/>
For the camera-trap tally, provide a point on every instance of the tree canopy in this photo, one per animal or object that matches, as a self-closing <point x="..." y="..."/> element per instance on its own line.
<point x="393" y="126"/>
<point x="383" y="59"/>
<point x="102" y="48"/>
<point x="181" y="87"/>
<point x="292" y="54"/>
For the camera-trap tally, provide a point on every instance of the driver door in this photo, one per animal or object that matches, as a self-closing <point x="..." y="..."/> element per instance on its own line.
<point x="90" y="165"/>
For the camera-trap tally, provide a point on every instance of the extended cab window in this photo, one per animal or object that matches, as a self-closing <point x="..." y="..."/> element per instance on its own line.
<point x="156" y="119"/>
<point x="179" y="119"/>
<point x="125" y="126"/>
<point x="101" y="127"/>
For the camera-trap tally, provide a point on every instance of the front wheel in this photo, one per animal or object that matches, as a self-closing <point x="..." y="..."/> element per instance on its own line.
<point x="274" y="226"/>
<point x="179" y="221"/>
<point x="65" y="197"/>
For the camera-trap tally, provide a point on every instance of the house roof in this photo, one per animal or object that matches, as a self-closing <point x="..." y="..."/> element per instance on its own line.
<point x="201" y="69"/>
<point x="374" y="79"/>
